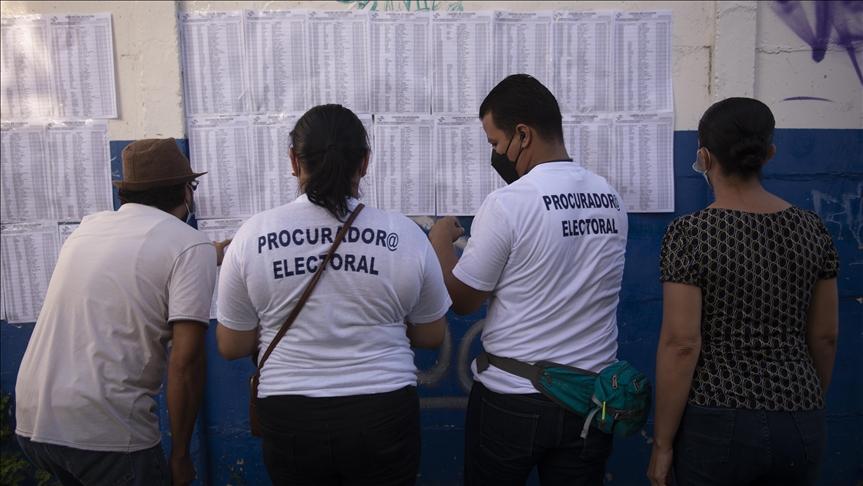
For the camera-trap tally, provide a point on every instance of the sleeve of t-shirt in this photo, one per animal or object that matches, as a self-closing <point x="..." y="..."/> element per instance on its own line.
<point x="677" y="263"/>
<point x="434" y="300"/>
<point x="235" y="308"/>
<point x="190" y="290"/>
<point x="829" y="267"/>
<point x="487" y="250"/>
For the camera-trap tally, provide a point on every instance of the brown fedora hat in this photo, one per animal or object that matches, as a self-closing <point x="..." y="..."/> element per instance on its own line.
<point x="153" y="163"/>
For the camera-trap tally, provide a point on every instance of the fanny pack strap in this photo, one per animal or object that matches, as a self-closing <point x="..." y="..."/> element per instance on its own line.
<point x="513" y="366"/>
<point x="532" y="373"/>
<point x="510" y="365"/>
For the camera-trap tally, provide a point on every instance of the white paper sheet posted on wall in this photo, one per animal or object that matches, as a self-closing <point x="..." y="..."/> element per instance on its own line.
<point x="80" y="154"/>
<point x="25" y="68"/>
<point x="58" y="170"/>
<point x="641" y="165"/>
<point x="25" y="173"/>
<point x="213" y="59"/>
<point x="28" y="254"/>
<point x="339" y="45"/>
<point x="401" y="64"/>
<point x="58" y="65"/>
<point x="278" y="57"/>
<point x="642" y="61"/>
<point x="418" y="72"/>
<point x="464" y="174"/>
<point x="461" y="60"/>
<point x="582" y="69"/>
<point x="404" y="168"/>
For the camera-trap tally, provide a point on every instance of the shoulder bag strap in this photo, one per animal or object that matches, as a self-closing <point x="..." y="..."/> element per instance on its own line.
<point x="309" y="288"/>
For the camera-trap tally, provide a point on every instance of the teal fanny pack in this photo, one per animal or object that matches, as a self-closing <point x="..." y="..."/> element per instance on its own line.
<point x="616" y="400"/>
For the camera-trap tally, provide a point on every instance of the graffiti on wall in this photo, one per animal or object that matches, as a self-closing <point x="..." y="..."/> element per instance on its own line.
<point x="842" y="213"/>
<point x="405" y="5"/>
<point x="844" y="18"/>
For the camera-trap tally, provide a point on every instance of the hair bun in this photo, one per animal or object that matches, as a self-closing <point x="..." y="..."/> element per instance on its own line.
<point x="748" y="153"/>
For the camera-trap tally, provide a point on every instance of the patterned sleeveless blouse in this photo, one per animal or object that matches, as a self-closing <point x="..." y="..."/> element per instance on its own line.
<point x="756" y="273"/>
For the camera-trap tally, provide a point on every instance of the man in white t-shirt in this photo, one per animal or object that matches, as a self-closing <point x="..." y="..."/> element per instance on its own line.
<point x="547" y="252"/>
<point x="126" y="284"/>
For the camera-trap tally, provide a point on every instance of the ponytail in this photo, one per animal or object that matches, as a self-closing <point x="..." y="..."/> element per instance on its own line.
<point x="331" y="144"/>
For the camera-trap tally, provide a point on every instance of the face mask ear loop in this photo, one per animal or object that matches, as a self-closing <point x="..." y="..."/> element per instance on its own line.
<point x="520" y="148"/>
<point x="190" y="213"/>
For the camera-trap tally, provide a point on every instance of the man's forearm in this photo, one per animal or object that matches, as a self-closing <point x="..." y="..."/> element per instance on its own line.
<point x="185" y="390"/>
<point x="445" y="252"/>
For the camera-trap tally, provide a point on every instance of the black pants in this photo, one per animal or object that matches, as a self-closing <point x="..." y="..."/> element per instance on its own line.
<point x="506" y="436"/>
<point x="77" y="467"/>
<point x="354" y="440"/>
<point x="726" y="446"/>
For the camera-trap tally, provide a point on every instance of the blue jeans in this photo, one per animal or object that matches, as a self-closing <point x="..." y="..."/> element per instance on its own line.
<point x="725" y="446"/>
<point x="506" y="436"/>
<point x="76" y="467"/>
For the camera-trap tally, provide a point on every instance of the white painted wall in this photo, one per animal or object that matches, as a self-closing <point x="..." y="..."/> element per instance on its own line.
<point x="720" y="49"/>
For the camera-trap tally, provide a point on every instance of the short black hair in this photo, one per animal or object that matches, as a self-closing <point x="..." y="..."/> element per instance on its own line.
<point x="164" y="198"/>
<point x="739" y="132"/>
<point x="331" y="142"/>
<point x="521" y="98"/>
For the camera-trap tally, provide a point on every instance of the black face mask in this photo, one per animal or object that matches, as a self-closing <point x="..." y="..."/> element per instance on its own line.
<point x="504" y="167"/>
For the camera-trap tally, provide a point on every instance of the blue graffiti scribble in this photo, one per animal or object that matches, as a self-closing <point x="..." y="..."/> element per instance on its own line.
<point x="845" y="17"/>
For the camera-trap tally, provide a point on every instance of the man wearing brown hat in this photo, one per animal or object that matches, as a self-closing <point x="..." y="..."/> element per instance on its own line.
<point x="127" y="283"/>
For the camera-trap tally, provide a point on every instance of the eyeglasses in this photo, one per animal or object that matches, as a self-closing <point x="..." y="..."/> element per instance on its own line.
<point x="193" y="185"/>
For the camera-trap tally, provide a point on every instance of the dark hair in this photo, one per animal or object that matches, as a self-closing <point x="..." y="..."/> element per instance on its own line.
<point x="521" y="98"/>
<point x="739" y="132"/>
<point x="330" y="142"/>
<point x="164" y="198"/>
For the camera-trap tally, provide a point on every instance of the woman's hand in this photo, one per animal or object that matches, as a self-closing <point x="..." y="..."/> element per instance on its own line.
<point x="658" y="472"/>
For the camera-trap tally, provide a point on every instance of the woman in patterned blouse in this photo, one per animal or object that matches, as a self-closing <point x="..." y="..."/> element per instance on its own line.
<point x="749" y="321"/>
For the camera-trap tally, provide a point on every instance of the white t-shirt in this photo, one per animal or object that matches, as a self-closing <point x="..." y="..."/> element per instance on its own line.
<point x="350" y="338"/>
<point x="550" y="247"/>
<point x="98" y="352"/>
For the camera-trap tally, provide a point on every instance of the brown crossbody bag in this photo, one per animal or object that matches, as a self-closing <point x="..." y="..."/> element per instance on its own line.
<point x="254" y="423"/>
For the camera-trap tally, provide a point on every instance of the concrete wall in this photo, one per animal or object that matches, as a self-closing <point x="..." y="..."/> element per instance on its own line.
<point x="720" y="49"/>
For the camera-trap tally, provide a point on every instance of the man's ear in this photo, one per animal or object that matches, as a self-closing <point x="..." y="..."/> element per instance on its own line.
<point x="525" y="134"/>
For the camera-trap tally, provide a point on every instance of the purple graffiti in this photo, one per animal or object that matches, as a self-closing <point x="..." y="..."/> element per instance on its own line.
<point x="845" y="17"/>
<point x="806" y="98"/>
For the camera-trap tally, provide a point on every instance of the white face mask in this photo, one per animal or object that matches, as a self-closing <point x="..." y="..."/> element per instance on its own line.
<point x="698" y="166"/>
<point x="191" y="207"/>
<point x="190" y="211"/>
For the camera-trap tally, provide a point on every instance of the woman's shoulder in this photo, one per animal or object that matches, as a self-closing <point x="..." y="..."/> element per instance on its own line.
<point x="686" y="221"/>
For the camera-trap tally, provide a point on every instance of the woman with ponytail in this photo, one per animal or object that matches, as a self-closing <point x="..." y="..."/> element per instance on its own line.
<point x="749" y="321"/>
<point x="337" y="398"/>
